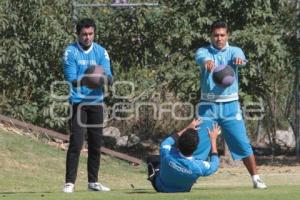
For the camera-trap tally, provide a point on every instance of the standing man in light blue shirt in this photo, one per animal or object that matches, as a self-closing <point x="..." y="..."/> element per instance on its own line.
<point x="176" y="169"/>
<point x="220" y="105"/>
<point x="86" y="103"/>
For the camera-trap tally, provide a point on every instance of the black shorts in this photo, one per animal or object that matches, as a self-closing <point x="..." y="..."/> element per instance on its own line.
<point x="153" y="163"/>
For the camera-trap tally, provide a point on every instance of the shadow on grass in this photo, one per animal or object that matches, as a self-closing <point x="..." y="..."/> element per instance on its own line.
<point x="141" y="191"/>
<point x="40" y="192"/>
<point x="7" y="194"/>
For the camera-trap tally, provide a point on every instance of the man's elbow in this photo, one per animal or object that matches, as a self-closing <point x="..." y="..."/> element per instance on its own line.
<point x="199" y="60"/>
<point x="110" y="80"/>
<point x="212" y="170"/>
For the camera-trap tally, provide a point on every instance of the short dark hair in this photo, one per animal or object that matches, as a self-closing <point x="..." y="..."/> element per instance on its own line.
<point x="188" y="142"/>
<point x="85" y="23"/>
<point x="219" y="24"/>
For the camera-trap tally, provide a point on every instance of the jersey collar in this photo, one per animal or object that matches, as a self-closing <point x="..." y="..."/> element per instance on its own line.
<point x="85" y="51"/>
<point x="218" y="50"/>
<point x="187" y="157"/>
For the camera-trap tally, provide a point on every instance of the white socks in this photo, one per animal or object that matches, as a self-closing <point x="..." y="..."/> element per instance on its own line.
<point x="255" y="177"/>
<point x="258" y="183"/>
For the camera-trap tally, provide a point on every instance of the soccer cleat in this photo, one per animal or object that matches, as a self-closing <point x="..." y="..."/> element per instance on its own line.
<point x="259" y="184"/>
<point x="68" y="188"/>
<point x="97" y="187"/>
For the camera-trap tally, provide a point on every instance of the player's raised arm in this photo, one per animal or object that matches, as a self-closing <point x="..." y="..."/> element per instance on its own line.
<point x="193" y="125"/>
<point x="212" y="166"/>
<point x="203" y="59"/>
<point x="213" y="134"/>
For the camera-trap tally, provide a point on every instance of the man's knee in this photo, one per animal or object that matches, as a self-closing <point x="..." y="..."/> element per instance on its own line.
<point x="153" y="163"/>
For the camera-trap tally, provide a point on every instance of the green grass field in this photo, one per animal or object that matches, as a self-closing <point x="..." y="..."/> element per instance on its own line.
<point x="30" y="169"/>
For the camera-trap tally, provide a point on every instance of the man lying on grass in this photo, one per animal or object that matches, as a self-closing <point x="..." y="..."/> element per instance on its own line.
<point x="176" y="170"/>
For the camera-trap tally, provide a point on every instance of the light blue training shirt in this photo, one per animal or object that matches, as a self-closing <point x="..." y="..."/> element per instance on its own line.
<point x="75" y="61"/>
<point x="225" y="56"/>
<point x="177" y="172"/>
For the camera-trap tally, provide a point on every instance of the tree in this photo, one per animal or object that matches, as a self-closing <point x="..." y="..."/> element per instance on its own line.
<point x="153" y="48"/>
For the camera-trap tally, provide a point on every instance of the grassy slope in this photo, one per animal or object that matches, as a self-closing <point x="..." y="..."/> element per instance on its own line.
<point x="32" y="170"/>
<point x="27" y="165"/>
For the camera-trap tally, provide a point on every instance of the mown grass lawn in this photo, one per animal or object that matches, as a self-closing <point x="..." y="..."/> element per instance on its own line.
<point x="30" y="169"/>
<point x="222" y="193"/>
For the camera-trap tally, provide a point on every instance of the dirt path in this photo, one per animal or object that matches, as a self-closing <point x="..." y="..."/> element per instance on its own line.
<point x="276" y="171"/>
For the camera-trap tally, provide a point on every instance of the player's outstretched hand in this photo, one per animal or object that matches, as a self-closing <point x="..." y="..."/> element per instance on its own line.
<point x="195" y="124"/>
<point x="209" y="65"/>
<point x="215" y="132"/>
<point x="239" y="61"/>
